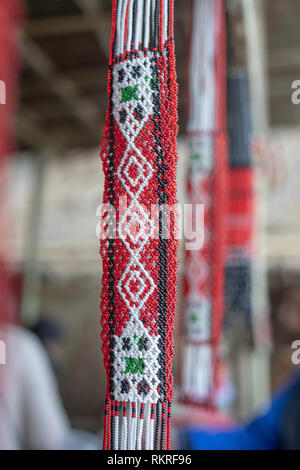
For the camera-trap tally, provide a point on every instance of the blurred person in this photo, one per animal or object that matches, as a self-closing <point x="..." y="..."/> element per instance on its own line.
<point x="285" y="308"/>
<point x="32" y="415"/>
<point x="276" y="428"/>
<point x="285" y="317"/>
<point x="51" y="335"/>
<point x="278" y="425"/>
<point x="31" y="410"/>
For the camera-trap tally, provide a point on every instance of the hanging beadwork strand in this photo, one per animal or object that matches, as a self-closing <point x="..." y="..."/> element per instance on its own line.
<point x="139" y="158"/>
<point x="206" y="134"/>
<point x="241" y="204"/>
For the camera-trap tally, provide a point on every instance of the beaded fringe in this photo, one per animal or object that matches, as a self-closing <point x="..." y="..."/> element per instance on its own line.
<point x="136" y="426"/>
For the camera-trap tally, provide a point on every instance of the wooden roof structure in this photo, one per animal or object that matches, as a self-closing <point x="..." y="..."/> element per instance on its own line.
<point x="66" y="45"/>
<point x="63" y="85"/>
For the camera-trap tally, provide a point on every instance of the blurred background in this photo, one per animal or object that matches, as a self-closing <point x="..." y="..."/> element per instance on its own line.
<point x="56" y="184"/>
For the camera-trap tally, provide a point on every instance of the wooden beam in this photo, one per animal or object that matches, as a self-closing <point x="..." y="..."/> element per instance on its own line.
<point x="284" y="57"/>
<point x="93" y="20"/>
<point x="62" y="25"/>
<point x="89" y="77"/>
<point x="61" y="85"/>
<point x="101" y="27"/>
<point x="32" y="135"/>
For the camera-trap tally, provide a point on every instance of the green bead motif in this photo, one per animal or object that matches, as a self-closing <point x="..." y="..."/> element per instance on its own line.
<point x="193" y="318"/>
<point x="133" y="365"/>
<point x="197" y="156"/>
<point x="129" y="93"/>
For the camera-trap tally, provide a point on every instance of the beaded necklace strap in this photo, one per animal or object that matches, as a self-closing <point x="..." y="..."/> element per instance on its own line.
<point x="207" y="184"/>
<point x="139" y="262"/>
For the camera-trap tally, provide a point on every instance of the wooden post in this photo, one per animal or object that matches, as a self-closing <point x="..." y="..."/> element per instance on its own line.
<point x="258" y="362"/>
<point x="254" y="17"/>
<point x="30" y="309"/>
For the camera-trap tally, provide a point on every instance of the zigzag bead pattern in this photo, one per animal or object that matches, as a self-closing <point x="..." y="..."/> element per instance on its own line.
<point x="138" y="297"/>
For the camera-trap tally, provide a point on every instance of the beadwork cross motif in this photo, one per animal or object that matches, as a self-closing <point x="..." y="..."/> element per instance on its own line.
<point x="136" y="284"/>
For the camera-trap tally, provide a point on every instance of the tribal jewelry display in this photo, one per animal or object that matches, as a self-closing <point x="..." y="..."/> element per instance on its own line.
<point x="139" y="255"/>
<point x="206" y="134"/>
<point x="241" y="204"/>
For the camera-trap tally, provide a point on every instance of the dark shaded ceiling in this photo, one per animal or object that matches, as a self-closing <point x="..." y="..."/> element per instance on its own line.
<point x="66" y="46"/>
<point x="63" y="85"/>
